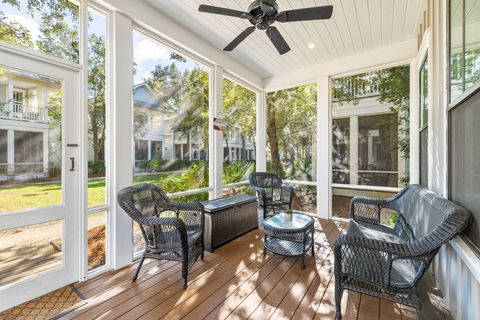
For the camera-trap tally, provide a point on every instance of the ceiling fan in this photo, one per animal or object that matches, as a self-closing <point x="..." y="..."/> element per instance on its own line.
<point x="262" y="14"/>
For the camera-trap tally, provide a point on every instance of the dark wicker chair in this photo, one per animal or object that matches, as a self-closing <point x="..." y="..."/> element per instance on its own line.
<point x="171" y="230"/>
<point x="388" y="263"/>
<point x="264" y="183"/>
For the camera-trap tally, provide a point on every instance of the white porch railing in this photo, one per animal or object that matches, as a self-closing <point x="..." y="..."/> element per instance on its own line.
<point x="19" y="111"/>
<point x="358" y="89"/>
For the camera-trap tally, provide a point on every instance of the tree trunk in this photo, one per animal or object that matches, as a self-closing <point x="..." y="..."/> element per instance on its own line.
<point x="273" y="138"/>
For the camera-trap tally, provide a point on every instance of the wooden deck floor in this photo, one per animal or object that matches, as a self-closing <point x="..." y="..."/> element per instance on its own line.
<point x="236" y="282"/>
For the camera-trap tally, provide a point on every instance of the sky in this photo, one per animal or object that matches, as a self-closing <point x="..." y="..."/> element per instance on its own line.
<point x="147" y="53"/>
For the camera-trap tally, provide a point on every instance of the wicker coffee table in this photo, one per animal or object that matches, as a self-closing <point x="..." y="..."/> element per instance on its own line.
<point x="289" y="238"/>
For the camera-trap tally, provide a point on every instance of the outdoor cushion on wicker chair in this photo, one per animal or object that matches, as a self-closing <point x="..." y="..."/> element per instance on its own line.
<point x="388" y="263"/>
<point x="171" y="230"/>
<point x="265" y="184"/>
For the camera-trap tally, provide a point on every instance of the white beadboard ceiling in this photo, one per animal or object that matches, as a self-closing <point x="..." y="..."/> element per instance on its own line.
<point x="356" y="26"/>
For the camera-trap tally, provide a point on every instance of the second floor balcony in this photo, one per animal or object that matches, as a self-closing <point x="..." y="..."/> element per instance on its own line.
<point x="18" y="111"/>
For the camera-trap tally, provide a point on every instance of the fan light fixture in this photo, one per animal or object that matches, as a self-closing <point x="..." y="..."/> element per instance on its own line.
<point x="263" y="13"/>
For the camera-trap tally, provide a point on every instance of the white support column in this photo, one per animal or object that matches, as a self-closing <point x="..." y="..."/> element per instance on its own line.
<point x="414" y="125"/>
<point x="45" y="152"/>
<point x="437" y="140"/>
<point x="10" y="95"/>
<point x="11" y="151"/>
<point x="215" y="136"/>
<point x="261" y="152"/>
<point x="173" y="157"/>
<point x="122" y="140"/>
<point x="190" y="148"/>
<point x="354" y="150"/>
<point x="324" y="176"/>
<point x="149" y="149"/>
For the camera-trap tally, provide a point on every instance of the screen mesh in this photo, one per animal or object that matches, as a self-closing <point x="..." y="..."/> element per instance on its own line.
<point x="465" y="160"/>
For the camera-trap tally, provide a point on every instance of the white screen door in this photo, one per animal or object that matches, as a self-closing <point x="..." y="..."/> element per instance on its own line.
<point x="39" y="178"/>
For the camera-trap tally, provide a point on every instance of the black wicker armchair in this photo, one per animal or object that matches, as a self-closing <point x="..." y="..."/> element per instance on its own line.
<point x="266" y="184"/>
<point x="171" y="230"/>
<point x="388" y="263"/>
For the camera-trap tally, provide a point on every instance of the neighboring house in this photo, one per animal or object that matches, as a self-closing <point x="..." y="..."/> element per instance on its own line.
<point x="159" y="141"/>
<point x="24" y="126"/>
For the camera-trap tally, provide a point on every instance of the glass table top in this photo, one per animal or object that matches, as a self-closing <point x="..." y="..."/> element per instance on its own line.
<point x="299" y="221"/>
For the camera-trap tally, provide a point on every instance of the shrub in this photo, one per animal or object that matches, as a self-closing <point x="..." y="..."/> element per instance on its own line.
<point x="237" y="171"/>
<point x="54" y="172"/>
<point x="96" y="167"/>
<point x="144" y="164"/>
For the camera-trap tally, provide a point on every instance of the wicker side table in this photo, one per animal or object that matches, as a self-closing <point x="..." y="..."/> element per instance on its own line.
<point x="289" y="238"/>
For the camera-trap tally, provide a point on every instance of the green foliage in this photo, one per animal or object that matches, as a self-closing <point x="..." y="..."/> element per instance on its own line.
<point x="14" y="33"/>
<point x="291" y="126"/>
<point x="96" y="168"/>
<point x="56" y="36"/>
<point x="96" y="95"/>
<point x="237" y="171"/>
<point x="392" y="220"/>
<point x="239" y="110"/>
<point x="194" y="178"/>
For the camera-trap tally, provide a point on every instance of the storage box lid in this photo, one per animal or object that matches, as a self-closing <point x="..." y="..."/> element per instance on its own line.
<point x="225" y="203"/>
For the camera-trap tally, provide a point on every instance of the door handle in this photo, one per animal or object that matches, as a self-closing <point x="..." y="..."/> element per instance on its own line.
<point x="72" y="167"/>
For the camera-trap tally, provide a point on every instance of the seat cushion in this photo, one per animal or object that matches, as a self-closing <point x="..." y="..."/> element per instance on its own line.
<point x="193" y="236"/>
<point x="403" y="272"/>
<point x="373" y="231"/>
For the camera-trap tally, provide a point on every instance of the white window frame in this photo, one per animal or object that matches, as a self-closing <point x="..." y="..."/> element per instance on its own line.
<point x="109" y="151"/>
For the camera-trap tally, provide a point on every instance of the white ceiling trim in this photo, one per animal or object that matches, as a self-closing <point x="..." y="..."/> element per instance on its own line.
<point x="153" y="19"/>
<point x="356" y="26"/>
<point x="359" y="62"/>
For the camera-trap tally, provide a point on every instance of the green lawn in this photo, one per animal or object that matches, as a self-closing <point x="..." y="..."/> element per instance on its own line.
<point x="36" y="195"/>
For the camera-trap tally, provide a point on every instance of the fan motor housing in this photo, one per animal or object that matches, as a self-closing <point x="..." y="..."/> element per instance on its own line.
<point x="264" y="13"/>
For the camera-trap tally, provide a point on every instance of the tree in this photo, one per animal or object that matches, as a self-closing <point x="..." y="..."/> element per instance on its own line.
<point x="96" y="95"/>
<point x="239" y="111"/>
<point x="56" y="36"/>
<point x="291" y="130"/>
<point x="192" y="113"/>
<point x="14" y="33"/>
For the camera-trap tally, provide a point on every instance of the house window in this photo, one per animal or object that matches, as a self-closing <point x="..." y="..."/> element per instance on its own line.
<point x="18" y="97"/>
<point x="464" y="112"/>
<point x="3" y="150"/>
<point x="141" y="150"/>
<point x="464" y="46"/>
<point x="51" y="27"/>
<point x="156" y="149"/>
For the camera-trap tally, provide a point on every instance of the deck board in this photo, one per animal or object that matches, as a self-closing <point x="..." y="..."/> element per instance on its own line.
<point x="235" y="282"/>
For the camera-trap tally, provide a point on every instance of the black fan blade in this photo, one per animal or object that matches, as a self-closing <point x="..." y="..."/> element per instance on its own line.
<point x="224" y="11"/>
<point x="232" y="45"/>
<point x="314" y="13"/>
<point x="278" y="40"/>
